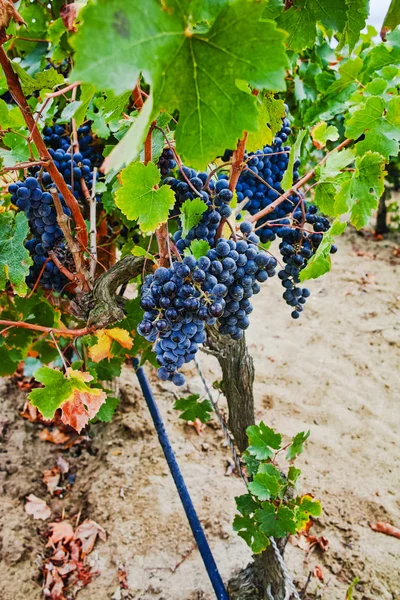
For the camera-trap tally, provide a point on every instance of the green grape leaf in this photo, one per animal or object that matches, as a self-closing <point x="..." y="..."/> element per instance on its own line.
<point x="107" y="410"/>
<point x="324" y="198"/>
<point x="139" y="251"/>
<point x="248" y="529"/>
<point x="320" y="263"/>
<point x="69" y="111"/>
<point x="87" y="93"/>
<point x="45" y="80"/>
<point x="198" y="248"/>
<point x="55" y="31"/>
<point x="270" y="469"/>
<point x="252" y="464"/>
<point x="130" y="145"/>
<point x="265" y="486"/>
<point x="356" y="17"/>
<point x="334" y="164"/>
<point x="380" y="122"/>
<point x="14" y="257"/>
<point x="70" y="392"/>
<point x="301" y="19"/>
<point x="271" y="111"/>
<point x="287" y="180"/>
<point x="19" y="149"/>
<point x="47" y="351"/>
<point x="191" y="213"/>
<point x="193" y="409"/>
<point x="261" y="439"/>
<point x="10" y="117"/>
<point x="360" y="193"/>
<point x="322" y="133"/>
<point x="296" y="447"/>
<point x="206" y="10"/>
<point x="246" y="505"/>
<point x="140" y="198"/>
<point x="293" y="474"/>
<point x="349" y="71"/>
<point x="9" y="359"/>
<point x="392" y="18"/>
<point x="274" y="522"/>
<point x="106" y="370"/>
<point x="214" y="112"/>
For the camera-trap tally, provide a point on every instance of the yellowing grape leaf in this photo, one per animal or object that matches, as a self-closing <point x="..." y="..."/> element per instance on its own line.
<point x="271" y="111"/>
<point x="71" y="393"/>
<point x="322" y="133"/>
<point x="105" y="338"/>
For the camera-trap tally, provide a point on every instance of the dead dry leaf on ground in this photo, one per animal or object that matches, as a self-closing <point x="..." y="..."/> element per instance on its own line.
<point x="87" y="533"/>
<point x="387" y="528"/>
<point x="320" y="542"/>
<point x="37" y="508"/>
<point x="55" y="436"/>
<point x="60" y="532"/>
<point x="317" y="572"/>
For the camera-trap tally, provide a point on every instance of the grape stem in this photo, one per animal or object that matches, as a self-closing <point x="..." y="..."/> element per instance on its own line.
<point x="49" y="330"/>
<point x="25" y="165"/>
<point x="236" y="169"/>
<point x="162" y="234"/>
<point x="237" y="162"/>
<point x="68" y="88"/>
<point x="62" y="268"/>
<point x="62" y="220"/>
<point x="271" y="207"/>
<point x="15" y="89"/>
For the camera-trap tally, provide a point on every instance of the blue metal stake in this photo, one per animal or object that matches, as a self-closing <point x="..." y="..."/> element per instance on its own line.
<point x="201" y="540"/>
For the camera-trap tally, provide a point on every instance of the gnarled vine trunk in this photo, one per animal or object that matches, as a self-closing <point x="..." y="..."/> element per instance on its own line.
<point x="264" y="573"/>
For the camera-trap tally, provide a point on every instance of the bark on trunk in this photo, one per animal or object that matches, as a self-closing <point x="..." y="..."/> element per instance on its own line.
<point x="238" y="378"/>
<point x="381" y="217"/>
<point x="264" y="574"/>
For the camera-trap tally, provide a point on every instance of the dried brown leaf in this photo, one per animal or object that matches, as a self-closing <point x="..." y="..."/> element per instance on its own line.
<point x="37" y="508"/>
<point x="60" y="532"/>
<point x="387" y="528"/>
<point x="8" y="12"/>
<point x="87" y="533"/>
<point x="55" y="436"/>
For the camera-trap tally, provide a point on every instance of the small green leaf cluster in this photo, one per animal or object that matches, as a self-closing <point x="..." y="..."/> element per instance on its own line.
<point x="271" y="508"/>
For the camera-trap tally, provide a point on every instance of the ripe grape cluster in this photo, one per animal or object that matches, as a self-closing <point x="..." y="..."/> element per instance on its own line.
<point x="241" y="266"/>
<point x="296" y="248"/>
<point x="217" y="200"/>
<point x="33" y="197"/>
<point x="57" y="137"/>
<point x="269" y="165"/>
<point x="178" y="302"/>
<point x="39" y="208"/>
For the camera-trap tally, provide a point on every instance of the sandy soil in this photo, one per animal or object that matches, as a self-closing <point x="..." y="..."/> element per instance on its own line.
<point x="335" y="371"/>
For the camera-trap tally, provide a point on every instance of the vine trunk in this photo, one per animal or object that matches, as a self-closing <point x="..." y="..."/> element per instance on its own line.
<point x="264" y="574"/>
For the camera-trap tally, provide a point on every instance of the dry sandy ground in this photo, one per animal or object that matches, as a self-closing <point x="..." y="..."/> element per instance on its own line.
<point x="335" y="371"/>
